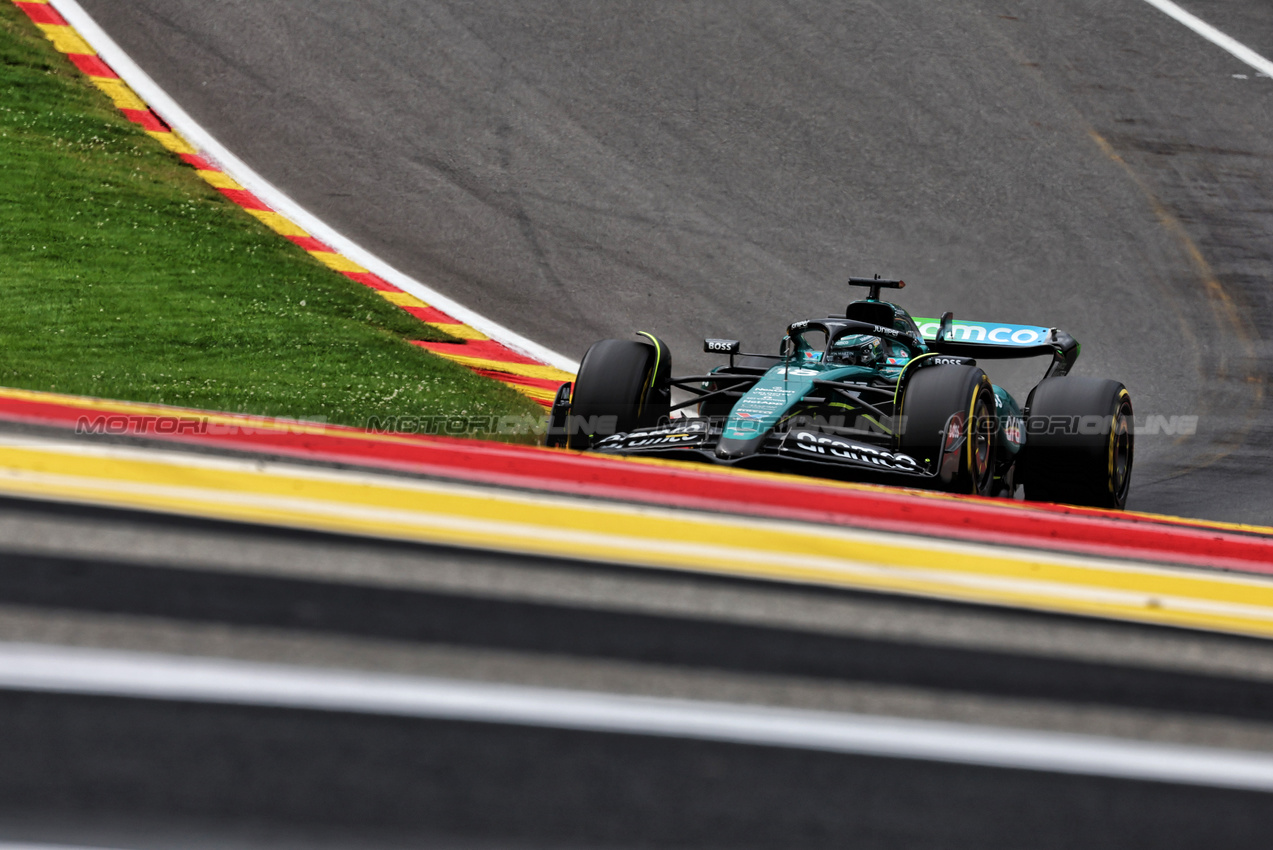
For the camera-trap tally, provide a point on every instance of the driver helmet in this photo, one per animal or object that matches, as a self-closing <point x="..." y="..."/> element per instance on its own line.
<point x="856" y="350"/>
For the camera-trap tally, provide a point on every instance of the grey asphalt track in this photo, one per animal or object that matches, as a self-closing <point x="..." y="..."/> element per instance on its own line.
<point x="578" y="170"/>
<point x="143" y="773"/>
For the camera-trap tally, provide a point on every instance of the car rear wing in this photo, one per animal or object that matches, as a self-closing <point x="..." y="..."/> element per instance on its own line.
<point x="997" y="340"/>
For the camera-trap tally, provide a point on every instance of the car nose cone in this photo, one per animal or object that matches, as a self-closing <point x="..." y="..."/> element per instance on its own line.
<point x="733" y="448"/>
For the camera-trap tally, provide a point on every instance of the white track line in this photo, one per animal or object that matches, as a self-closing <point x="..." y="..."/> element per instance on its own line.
<point x="71" y="670"/>
<point x="194" y="133"/>
<point x="1214" y="36"/>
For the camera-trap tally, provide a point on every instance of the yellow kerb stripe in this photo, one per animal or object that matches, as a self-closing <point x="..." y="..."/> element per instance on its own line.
<point x="219" y="179"/>
<point x="171" y="141"/>
<point x="402" y="299"/>
<point x="66" y="39"/>
<point x="119" y="92"/>
<point x="336" y="262"/>
<point x="487" y="518"/>
<point x="534" y="392"/>
<point x="279" y="224"/>
<point x="459" y="331"/>
<point x="525" y="370"/>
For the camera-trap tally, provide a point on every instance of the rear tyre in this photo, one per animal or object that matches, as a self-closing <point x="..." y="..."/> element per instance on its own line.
<point x="613" y="381"/>
<point x="1079" y="443"/>
<point x="949" y="419"/>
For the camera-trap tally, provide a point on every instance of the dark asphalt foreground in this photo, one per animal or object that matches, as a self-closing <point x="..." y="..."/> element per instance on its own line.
<point x="136" y="773"/>
<point x="519" y="787"/>
<point x="576" y="171"/>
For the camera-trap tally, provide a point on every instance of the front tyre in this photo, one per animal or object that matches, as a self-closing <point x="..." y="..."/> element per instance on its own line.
<point x="1079" y="443"/>
<point x="948" y="420"/>
<point x="610" y="391"/>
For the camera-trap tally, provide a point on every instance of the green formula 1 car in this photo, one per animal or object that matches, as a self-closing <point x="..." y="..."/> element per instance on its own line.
<point x="871" y="395"/>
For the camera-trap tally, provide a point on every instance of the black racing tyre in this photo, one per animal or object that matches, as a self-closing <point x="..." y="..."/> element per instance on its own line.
<point x="614" y="380"/>
<point x="1079" y="443"/>
<point x="948" y="417"/>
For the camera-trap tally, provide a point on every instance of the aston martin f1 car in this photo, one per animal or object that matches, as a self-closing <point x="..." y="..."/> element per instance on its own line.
<point x="872" y="395"/>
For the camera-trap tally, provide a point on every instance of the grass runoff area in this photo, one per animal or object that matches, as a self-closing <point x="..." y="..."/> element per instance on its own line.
<point x="123" y="275"/>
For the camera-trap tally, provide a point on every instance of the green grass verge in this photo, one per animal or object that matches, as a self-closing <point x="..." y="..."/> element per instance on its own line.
<point x="123" y="275"/>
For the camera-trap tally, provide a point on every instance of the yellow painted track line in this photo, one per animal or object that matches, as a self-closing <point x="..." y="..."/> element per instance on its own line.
<point x="486" y="518"/>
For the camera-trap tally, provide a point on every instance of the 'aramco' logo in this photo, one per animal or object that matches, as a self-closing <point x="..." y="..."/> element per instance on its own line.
<point x="984" y="332"/>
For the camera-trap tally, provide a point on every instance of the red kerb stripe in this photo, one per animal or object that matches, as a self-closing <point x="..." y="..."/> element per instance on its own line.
<point x="244" y="198"/>
<point x="309" y="243"/>
<point x="92" y="65"/>
<point x="1047" y="527"/>
<point x="485" y="349"/>
<point x="147" y="119"/>
<point x="42" y="13"/>
<point x="537" y="383"/>
<point x="431" y="314"/>
<point x="371" y="280"/>
<point x="198" y="162"/>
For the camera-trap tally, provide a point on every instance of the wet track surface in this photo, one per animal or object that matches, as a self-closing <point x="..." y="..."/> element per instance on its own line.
<point x="719" y="169"/>
<point x="693" y="169"/>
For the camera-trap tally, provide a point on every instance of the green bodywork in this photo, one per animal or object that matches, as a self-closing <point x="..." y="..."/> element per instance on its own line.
<point x="780" y="393"/>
